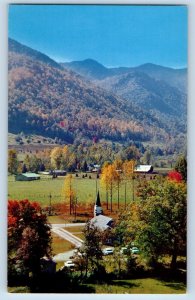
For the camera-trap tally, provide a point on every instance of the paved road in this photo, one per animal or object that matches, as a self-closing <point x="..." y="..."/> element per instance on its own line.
<point x="67" y="225"/>
<point x="68" y="236"/>
<point x="76" y="241"/>
<point x="63" y="256"/>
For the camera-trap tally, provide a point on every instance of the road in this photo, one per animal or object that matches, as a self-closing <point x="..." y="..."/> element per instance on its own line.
<point x="67" y="225"/>
<point x="64" y="234"/>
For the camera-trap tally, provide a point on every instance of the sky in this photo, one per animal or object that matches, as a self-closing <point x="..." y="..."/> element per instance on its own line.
<point x="114" y="35"/>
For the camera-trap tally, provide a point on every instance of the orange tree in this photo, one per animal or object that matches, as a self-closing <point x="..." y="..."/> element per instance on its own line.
<point x="69" y="192"/>
<point x="118" y="167"/>
<point x="29" y="238"/>
<point x="109" y="179"/>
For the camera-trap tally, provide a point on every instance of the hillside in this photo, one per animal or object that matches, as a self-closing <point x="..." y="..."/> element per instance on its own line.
<point x="147" y="92"/>
<point x="88" y="68"/>
<point x="93" y="70"/>
<point x="152" y="86"/>
<point x="46" y="100"/>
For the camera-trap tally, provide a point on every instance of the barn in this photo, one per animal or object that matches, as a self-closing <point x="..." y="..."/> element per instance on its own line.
<point x="145" y="171"/>
<point x="27" y="177"/>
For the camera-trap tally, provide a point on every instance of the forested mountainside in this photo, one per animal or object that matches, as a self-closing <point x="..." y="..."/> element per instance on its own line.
<point x="150" y="86"/>
<point x="93" y="70"/>
<point x="51" y="101"/>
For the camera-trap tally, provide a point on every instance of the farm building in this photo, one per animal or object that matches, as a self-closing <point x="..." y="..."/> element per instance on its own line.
<point x="27" y="177"/>
<point x="58" y="172"/>
<point x="143" y="169"/>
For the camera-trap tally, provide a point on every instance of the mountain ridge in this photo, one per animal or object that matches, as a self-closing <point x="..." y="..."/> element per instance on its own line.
<point x="56" y="102"/>
<point x="156" y="71"/>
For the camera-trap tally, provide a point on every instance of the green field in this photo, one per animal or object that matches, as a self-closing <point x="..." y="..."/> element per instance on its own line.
<point x="40" y="190"/>
<point x="140" y="286"/>
<point x="133" y="286"/>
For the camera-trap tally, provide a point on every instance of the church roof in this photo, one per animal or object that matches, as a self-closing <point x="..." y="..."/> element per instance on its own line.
<point x="101" y="222"/>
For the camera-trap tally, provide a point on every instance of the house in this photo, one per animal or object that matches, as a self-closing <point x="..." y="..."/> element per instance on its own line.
<point x="27" y="177"/>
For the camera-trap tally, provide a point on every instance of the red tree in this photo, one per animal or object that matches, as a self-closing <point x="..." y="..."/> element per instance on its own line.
<point x="29" y="237"/>
<point x="175" y="176"/>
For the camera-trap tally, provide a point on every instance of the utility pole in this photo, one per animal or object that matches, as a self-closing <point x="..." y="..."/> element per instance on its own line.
<point x="125" y="195"/>
<point x="96" y="185"/>
<point x="75" y="209"/>
<point x="50" y="204"/>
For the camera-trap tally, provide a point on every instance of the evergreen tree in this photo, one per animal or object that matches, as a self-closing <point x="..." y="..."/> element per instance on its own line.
<point x="181" y="167"/>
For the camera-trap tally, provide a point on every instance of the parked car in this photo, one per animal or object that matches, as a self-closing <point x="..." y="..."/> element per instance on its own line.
<point x="134" y="250"/>
<point x="107" y="251"/>
<point x="69" y="264"/>
<point x="124" y="250"/>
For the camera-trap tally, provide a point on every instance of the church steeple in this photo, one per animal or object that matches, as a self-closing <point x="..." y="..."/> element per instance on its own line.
<point x="97" y="207"/>
<point x="98" y="199"/>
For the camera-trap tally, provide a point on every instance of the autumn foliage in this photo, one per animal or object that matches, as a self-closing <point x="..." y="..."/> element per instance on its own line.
<point x="175" y="176"/>
<point x="29" y="237"/>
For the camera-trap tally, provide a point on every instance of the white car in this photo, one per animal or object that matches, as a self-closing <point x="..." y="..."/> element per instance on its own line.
<point x="69" y="264"/>
<point x="107" y="251"/>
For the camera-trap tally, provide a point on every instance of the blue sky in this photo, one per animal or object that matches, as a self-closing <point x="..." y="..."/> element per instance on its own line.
<point x="112" y="35"/>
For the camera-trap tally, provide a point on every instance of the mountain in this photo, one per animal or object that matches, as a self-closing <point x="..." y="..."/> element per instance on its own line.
<point x="173" y="77"/>
<point x="147" y="92"/>
<point x="93" y="70"/>
<point x="18" y="48"/>
<point x="88" y="68"/>
<point x="48" y="100"/>
<point x="150" y="86"/>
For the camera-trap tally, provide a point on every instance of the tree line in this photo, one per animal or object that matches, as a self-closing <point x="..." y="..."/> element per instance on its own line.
<point x="79" y="156"/>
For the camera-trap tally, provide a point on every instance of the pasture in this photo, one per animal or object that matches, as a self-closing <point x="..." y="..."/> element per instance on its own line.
<point x="85" y="188"/>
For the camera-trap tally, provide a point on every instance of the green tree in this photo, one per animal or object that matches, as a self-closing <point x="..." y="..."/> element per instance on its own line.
<point x="128" y="175"/>
<point x="12" y="161"/>
<point x="147" y="157"/>
<point x="67" y="158"/>
<point x="35" y="163"/>
<point x="157" y="221"/>
<point x="181" y="167"/>
<point x="132" y="153"/>
<point x="91" y="249"/>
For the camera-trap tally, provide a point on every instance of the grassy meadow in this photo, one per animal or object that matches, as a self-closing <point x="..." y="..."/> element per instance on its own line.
<point x="132" y="286"/>
<point x="140" y="286"/>
<point x="39" y="190"/>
